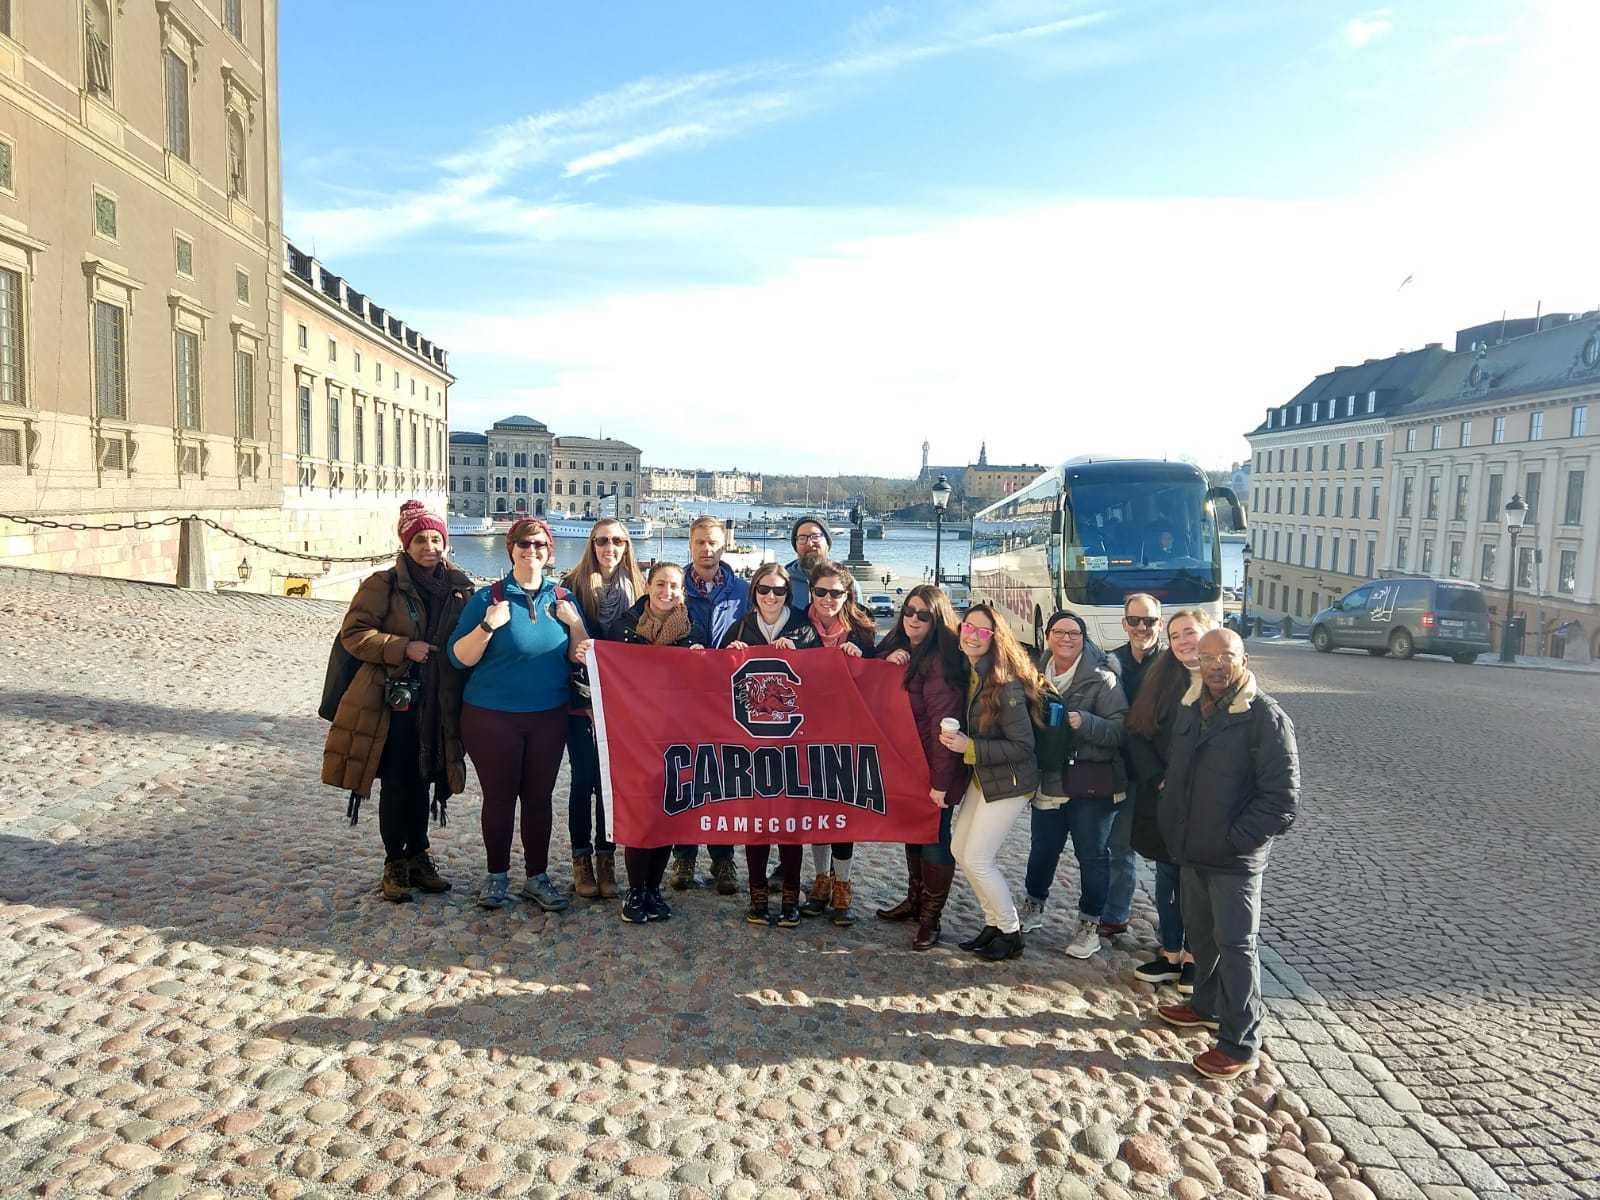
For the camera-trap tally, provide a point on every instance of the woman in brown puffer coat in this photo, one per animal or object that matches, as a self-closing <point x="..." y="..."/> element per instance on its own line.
<point x="396" y="626"/>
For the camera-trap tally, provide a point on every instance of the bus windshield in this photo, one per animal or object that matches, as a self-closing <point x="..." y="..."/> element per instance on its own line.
<point x="1152" y="535"/>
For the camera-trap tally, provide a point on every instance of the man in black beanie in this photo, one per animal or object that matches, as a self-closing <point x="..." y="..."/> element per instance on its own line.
<point x="812" y="542"/>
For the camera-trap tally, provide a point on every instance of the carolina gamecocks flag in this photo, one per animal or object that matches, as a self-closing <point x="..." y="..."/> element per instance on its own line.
<point x="742" y="747"/>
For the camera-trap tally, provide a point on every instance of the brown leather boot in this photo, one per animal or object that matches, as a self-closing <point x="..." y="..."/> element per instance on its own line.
<point x="605" y="875"/>
<point x="583" y="880"/>
<point x="423" y="875"/>
<point x="936" y="878"/>
<point x="839" y="904"/>
<point x="821" y="892"/>
<point x="912" y="905"/>
<point x="396" y="883"/>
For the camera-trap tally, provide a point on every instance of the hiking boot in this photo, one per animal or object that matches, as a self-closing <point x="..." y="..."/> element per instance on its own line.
<point x="816" y="902"/>
<point x="542" y="892"/>
<point x="605" y="875"/>
<point x="1184" y="1017"/>
<point x="936" y="879"/>
<point x="725" y="875"/>
<point x="634" y="909"/>
<point x="1214" y="1064"/>
<point x="1085" y="941"/>
<point x="655" y="906"/>
<point x="758" y="914"/>
<point x="1002" y="947"/>
<point x="911" y="906"/>
<point x="839" y="904"/>
<point x="789" y="914"/>
<point x="681" y="877"/>
<point x="495" y="891"/>
<point x="1160" y="969"/>
<point x="583" y="881"/>
<point x="425" y="876"/>
<point x="396" y="882"/>
<point x="1032" y="914"/>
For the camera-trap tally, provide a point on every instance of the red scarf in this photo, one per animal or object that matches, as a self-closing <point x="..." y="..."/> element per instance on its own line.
<point x="838" y="637"/>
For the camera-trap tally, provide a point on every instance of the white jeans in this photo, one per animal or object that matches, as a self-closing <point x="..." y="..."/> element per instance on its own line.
<point x="975" y="839"/>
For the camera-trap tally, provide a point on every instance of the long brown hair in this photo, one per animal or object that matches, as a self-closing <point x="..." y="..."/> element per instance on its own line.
<point x="1010" y="664"/>
<point x="1167" y="681"/>
<point x="586" y="579"/>
<point x="940" y="650"/>
<point x="852" y="614"/>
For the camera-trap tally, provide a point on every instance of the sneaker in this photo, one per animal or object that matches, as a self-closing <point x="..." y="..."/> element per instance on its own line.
<point x="1214" y="1064"/>
<point x="1184" y="1017"/>
<point x="634" y="910"/>
<point x="1160" y="969"/>
<point x="1186" y="980"/>
<point x="1032" y="914"/>
<point x="681" y="877"/>
<point x="725" y="875"/>
<point x="789" y="915"/>
<point x="656" y="907"/>
<point x="542" y="892"/>
<point x="1085" y="941"/>
<point x="495" y="891"/>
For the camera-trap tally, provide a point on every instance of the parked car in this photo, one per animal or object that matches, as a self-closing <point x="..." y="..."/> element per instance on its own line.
<point x="1405" y="616"/>
<point x="881" y="604"/>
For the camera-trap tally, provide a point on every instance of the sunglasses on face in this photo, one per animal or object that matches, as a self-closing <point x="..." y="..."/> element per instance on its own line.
<point x="978" y="631"/>
<point x="1147" y="622"/>
<point x="619" y="542"/>
<point x="532" y="544"/>
<point x="918" y="614"/>
<point x="771" y="589"/>
<point x="830" y="593"/>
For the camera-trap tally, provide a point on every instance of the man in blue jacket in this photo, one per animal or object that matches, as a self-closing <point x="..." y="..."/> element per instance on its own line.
<point x="716" y="598"/>
<point x="1233" y="785"/>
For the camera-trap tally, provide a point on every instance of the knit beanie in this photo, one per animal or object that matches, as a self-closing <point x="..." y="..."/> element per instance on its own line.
<point x="794" y="530"/>
<point x="523" y="526"/>
<point x="414" y="518"/>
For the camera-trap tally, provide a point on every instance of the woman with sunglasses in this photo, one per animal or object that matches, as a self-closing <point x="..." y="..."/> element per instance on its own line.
<point x="841" y="624"/>
<point x="606" y="583"/>
<point x="772" y="622"/>
<point x="1002" y="708"/>
<point x="515" y="637"/>
<point x="924" y="640"/>
<point x="659" y="618"/>
<point x="1094" y="707"/>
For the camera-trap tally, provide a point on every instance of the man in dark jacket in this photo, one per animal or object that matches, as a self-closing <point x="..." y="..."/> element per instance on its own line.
<point x="1141" y="621"/>
<point x="812" y="542"/>
<point x="1233" y="784"/>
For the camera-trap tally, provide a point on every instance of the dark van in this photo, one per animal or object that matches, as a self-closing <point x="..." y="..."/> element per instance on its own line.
<point x="1406" y="616"/>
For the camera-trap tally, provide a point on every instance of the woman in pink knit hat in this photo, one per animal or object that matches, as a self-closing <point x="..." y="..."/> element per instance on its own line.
<point x="399" y="721"/>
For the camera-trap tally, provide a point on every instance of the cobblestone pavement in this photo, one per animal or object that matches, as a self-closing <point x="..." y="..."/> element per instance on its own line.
<point x="1435" y="917"/>
<point x="204" y="996"/>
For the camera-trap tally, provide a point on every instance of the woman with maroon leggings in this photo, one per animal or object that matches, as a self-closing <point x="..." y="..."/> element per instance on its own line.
<point x="515" y="637"/>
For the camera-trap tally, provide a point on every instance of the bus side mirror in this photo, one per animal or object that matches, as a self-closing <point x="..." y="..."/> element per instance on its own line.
<point x="1235" y="510"/>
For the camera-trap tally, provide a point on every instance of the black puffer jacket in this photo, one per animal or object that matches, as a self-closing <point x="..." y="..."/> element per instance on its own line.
<point x="1233" y="785"/>
<point x="1096" y="693"/>
<point x="1003" y="758"/>
<point x="797" y="627"/>
<point x="1147" y="758"/>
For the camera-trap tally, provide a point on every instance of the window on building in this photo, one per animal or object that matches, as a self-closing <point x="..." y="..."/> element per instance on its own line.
<point x="333" y="427"/>
<point x="1455" y="560"/>
<point x="1459" y="513"/>
<point x="1567" y="573"/>
<point x="1426" y="564"/>
<point x="558" y="487"/>
<point x="1341" y="456"/>
<point x="1322" y="501"/>
<point x="1272" y="595"/>
<point x="1525" y="566"/>
<point x="241" y="286"/>
<point x="176" y="73"/>
<point x="1350" y="406"/>
<point x="399" y="458"/>
<point x="377" y="436"/>
<point x="413" y="445"/>
<point x="303" y="337"/>
<point x="1377" y="453"/>
<point x="1338" y="502"/>
<point x="1279" y="506"/>
<point x="1536" y="427"/>
<point x="1372" y="558"/>
<point x="1291" y="501"/>
<point x="427" y="448"/>
<point x="1411" y="439"/>
<point x="1498" y="431"/>
<point x="110" y="361"/>
<point x="1580" y="420"/>
<point x="303" y="418"/>
<point x="13" y="360"/>
<point x="1402" y="552"/>
<point x="1407" y="486"/>
<point x="1372" y="514"/>
<point x="1299" y="600"/>
<point x="1299" y="412"/>
<point x="355" y="361"/>
<point x="183" y="255"/>
<point x="1276" y="548"/>
<point x="1530" y="495"/>
<point x="586" y="487"/>
<point x="358" y="440"/>
<point x="1430" y="511"/>
<point x="1324" y="457"/>
<point x="1350" y="567"/>
<point x="1492" y="504"/>
<point x="1305" y="546"/>
<point x="105" y="216"/>
<point x="1305" y="497"/>
<point x="1466" y="433"/>
<point x="1316" y="409"/>
<point x="1294" y="460"/>
<point x="1437" y="438"/>
<point x="1372" y="401"/>
<point x="244" y="392"/>
<point x="1487" y="562"/>
<point x="1333" y="559"/>
<point x="186" y="375"/>
<point x="1572" y="513"/>
<point x="377" y="372"/>
<point x="233" y="18"/>
<point x="1360" y="454"/>
<point x="627" y="489"/>
<point x="333" y="350"/>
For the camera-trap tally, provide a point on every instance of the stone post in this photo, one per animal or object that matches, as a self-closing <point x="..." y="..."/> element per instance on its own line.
<point x="194" y="566"/>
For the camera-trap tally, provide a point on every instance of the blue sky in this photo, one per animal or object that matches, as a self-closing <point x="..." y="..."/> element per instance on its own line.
<point x="791" y="235"/>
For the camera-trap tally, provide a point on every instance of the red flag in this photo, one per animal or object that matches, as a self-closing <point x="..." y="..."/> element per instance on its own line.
<point x="745" y="747"/>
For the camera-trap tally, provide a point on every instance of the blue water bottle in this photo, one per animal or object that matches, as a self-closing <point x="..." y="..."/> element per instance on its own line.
<point x="1054" y="713"/>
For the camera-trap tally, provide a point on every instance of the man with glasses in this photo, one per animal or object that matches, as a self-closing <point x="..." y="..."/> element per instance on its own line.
<point x="1233" y="784"/>
<point x="716" y="598"/>
<point x="812" y="543"/>
<point x="1141" y="621"/>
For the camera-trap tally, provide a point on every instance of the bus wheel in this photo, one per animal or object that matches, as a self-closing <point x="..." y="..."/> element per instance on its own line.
<point x="1038" y="629"/>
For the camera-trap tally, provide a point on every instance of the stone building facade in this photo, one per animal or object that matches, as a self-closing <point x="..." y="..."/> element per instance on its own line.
<point x="140" y="220"/>
<point x="586" y="469"/>
<point x="663" y="482"/>
<point x="519" y="467"/>
<point x="469" y="474"/>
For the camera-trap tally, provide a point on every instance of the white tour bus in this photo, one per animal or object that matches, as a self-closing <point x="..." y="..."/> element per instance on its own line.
<point x="1086" y="534"/>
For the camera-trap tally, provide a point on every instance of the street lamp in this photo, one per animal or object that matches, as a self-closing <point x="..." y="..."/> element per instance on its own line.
<point x="941" y="497"/>
<point x="1516" y="514"/>
<point x="1244" y="591"/>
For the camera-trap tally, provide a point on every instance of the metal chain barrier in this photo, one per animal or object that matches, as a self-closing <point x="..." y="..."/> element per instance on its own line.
<point x="118" y="526"/>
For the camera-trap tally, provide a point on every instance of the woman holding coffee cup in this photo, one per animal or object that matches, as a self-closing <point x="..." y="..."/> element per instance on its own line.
<point x="924" y="641"/>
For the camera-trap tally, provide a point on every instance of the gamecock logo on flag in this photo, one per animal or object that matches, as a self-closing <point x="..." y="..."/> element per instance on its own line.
<point x="764" y="698"/>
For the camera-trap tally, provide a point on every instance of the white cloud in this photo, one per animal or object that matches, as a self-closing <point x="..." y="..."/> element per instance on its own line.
<point x="1362" y="31"/>
<point x="634" y="147"/>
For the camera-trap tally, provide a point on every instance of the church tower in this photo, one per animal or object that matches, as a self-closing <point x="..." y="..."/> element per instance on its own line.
<point x="924" y="472"/>
<point x="983" y="454"/>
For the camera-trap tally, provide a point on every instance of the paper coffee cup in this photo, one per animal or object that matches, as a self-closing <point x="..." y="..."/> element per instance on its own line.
<point x="950" y="725"/>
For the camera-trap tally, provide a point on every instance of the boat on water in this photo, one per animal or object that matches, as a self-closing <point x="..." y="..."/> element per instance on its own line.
<point x="562" y="527"/>
<point x="470" y="527"/>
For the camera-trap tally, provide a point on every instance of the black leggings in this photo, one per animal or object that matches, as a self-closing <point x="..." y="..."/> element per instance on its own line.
<point x="403" y="792"/>
<point x="646" y="868"/>
<point x="789" y="859"/>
